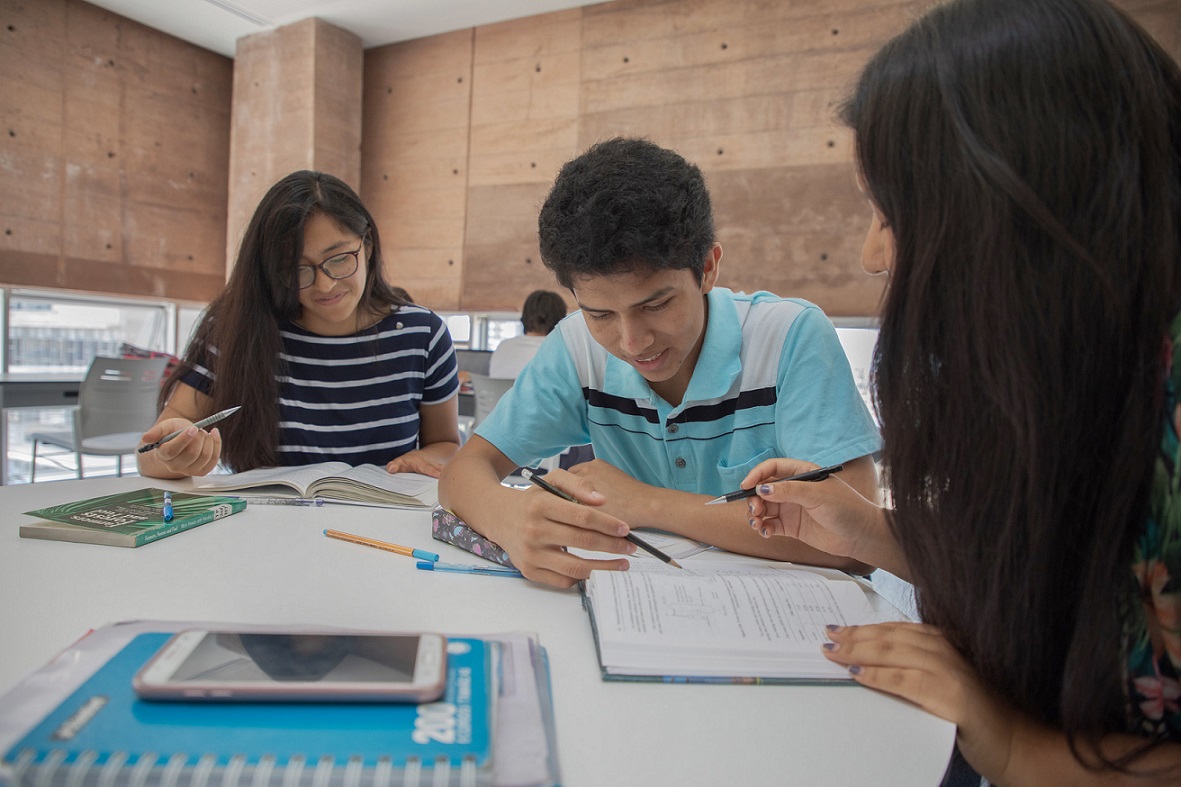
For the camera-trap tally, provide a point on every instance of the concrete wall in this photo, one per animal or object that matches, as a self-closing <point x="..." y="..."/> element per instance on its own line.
<point x="116" y="172"/>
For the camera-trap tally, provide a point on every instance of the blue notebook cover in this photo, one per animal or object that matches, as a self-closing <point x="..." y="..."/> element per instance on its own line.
<point x="105" y="725"/>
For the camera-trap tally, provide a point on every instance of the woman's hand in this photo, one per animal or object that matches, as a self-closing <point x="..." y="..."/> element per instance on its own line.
<point x="194" y="452"/>
<point x="418" y="461"/>
<point x="916" y="662"/>
<point x="829" y="515"/>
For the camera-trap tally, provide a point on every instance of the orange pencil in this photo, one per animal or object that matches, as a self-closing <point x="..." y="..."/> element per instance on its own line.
<point x="388" y="547"/>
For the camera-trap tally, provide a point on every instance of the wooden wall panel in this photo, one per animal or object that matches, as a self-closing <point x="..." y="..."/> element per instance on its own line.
<point x="115" y="162"/>
<point x="414" y="150"/>
<point x="747" y="89"/>
<point x="115" y="139"/>
<point x="525" y="124"/>
<point x="503" y="262"/>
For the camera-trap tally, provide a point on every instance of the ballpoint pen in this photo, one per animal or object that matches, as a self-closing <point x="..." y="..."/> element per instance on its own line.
<point x="204" y="422"/>
<point x="464" y="568"/>
<point x="263" y="500"/>
<point x="534" y="478"/>
<point x="422" y="554"/>
<point x="812" y="475"/>
<point x="167" y="506"/>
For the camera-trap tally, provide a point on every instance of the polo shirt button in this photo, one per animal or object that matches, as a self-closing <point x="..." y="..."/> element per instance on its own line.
<point x="680" y="463"/>
<point x="672" y="428"/>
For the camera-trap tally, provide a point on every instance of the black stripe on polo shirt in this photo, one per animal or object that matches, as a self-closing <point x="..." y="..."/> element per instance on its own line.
<point x="619" y="404"/>
<point x="746" y="400"/>
<point x="658" y="437"/>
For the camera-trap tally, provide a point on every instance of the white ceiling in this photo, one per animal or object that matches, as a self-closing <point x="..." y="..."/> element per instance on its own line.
<point x="218" y="24"/>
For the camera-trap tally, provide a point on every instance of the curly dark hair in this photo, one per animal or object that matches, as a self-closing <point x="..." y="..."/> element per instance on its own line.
<point x="622" y="203"/>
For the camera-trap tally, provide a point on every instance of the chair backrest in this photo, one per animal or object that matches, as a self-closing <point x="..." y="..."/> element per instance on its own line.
<point x="119" y="395"/>
<point x="475" y="361"/>
<point x="488" y="391"/>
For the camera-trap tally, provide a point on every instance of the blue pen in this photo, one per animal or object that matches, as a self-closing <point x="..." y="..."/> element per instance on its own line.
<point x="464" y="568"/>
<point x="263" y="500"/>
<point x="167" y="506"/>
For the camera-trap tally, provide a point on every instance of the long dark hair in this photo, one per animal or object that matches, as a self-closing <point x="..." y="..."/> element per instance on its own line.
<point x="243" y="322"/>
<point x="1026" y="155"/>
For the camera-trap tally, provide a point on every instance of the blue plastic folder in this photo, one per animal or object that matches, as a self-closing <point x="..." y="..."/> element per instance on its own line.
<point x="105" y="728"/>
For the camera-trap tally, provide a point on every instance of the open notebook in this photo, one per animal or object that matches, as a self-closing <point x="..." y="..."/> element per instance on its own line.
<point x="720" y="621"/>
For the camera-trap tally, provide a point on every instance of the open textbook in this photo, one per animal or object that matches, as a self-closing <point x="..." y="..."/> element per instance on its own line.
<point x="722" y="621"/>
<point x="367" y="484"/>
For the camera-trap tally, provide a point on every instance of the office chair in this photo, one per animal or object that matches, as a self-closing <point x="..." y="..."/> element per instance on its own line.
<point x="488" y="391"/>
<point x="116" y="404"/>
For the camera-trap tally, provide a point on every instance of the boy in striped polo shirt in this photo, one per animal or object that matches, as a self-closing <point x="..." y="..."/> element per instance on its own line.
<point x="681" y="386"/>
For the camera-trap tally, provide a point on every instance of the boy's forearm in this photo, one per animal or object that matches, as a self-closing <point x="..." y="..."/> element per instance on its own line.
<point x="727" y="526"/>
<point x="466" y="486"/>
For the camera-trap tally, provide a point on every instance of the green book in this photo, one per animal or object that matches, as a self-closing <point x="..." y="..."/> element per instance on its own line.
<point x="128" y="519"/>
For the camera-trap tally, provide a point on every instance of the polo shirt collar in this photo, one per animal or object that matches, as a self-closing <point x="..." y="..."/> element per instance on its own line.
<point x="718" y="366"/>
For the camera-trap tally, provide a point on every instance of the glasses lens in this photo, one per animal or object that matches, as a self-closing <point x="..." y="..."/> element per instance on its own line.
<point x="341" y="266"/>
<point x="307" y="276"/>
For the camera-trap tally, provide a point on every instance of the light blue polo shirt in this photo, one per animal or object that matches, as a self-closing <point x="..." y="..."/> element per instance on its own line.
<point x="772" y="381"/>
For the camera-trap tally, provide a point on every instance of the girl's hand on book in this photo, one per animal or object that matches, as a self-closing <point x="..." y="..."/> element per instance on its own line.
<point x="417" y="461"/>
<point x="915" y="661"/>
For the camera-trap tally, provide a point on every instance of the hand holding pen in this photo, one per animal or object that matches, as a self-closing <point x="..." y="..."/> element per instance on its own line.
<point x="204" y="422"/>
<point x="818" y="474"/>
<point x="537" y="480"/>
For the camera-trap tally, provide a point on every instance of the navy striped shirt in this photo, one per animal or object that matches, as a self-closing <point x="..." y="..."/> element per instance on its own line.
<point x="356" y="398"/>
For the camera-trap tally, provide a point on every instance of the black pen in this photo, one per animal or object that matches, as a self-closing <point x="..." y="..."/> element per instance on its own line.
<point x="200" y="425"/>
<point x="812" y="475"/>
<point x="534" y="478"/>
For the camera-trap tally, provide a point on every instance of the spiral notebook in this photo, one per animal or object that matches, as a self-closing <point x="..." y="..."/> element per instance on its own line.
<point x="104" y="734"/>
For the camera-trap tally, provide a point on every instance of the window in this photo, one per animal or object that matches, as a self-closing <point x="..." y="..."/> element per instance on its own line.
<point x="858" y="337"/>
<point x="59" y="333"/>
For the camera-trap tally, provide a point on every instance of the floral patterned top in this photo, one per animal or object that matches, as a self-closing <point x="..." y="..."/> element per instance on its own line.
<point x="1154" y="637"/>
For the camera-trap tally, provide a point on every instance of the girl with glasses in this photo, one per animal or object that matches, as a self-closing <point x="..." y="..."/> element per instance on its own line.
<point x="327" y="361"/>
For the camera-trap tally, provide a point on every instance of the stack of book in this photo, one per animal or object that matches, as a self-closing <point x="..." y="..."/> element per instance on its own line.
<point x="78" y="721"/>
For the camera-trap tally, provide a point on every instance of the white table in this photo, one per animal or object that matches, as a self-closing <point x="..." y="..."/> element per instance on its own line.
<point x="273" y="565"/>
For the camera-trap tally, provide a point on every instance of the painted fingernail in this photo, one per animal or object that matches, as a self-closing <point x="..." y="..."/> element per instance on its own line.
<point x="854" y="669"/>
<point x="830" y="646"/>
<point x="833" y="627"/>
<point x="764" y="489"/>
<point x="765" y="532"/>
<point x="753" y="522"/>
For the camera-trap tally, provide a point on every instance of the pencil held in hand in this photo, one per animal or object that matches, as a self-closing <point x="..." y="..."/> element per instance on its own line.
<point x="536" y="480"/>
<point x="812" y="475"/>
<point x="204" y="422"/>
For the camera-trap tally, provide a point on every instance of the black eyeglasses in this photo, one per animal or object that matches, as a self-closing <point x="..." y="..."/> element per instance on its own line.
<point x="340" y="266"/>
